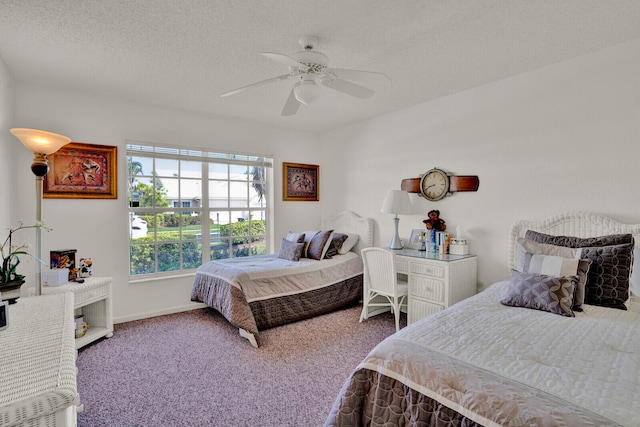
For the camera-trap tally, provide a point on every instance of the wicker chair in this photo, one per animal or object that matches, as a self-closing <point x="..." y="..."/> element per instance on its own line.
<point x="382" y="289"/>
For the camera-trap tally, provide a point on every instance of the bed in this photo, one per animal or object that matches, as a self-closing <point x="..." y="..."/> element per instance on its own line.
<point x="260" y="292"/>
<point x="482" y="362"/>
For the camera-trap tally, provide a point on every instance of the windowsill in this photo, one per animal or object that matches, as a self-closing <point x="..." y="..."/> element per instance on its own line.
<point x="155" y="278"/>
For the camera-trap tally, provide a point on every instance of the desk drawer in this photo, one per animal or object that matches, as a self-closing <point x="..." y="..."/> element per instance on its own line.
<point x="426" y="288"/>
<point x="418" y="309"/>
<point x="428" y="269"/>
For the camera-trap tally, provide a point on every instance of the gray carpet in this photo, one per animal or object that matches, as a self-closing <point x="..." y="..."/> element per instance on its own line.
<point x="193" y="369"/>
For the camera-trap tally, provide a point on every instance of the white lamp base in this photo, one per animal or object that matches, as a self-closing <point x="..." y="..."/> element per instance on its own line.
<point x="396" y="243"/>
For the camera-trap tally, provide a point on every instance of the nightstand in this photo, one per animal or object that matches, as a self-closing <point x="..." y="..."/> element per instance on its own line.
<point x="93" y="300"/>
<point x="436" y="281"/>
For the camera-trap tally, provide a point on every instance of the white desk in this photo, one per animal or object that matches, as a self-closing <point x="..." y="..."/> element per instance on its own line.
<point x="436" y="281"/>
<point x="38" y="363"/>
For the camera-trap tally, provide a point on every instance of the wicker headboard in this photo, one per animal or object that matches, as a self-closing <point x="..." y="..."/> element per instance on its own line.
<point x="350" y="222"/>
<point x="578" y="224"/>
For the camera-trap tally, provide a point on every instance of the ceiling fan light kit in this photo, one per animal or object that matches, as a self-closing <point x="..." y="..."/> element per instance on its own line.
<point x="310" y="67"/>
<point x="307" y="91"/>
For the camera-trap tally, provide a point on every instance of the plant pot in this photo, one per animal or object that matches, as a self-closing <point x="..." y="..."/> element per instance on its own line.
<point x="10" y="291"/>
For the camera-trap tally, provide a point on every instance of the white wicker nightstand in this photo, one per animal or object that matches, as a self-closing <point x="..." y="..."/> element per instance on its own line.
<point x="93" y="300"/>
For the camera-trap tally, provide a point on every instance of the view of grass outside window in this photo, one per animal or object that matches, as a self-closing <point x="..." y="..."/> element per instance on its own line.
<point x="187" y="207"/>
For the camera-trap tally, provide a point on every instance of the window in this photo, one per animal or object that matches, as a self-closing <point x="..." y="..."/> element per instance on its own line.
<point x="187" y="207"/>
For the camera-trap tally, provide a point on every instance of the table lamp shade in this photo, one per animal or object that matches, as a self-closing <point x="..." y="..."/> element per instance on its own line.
<point x="396" y="202"/>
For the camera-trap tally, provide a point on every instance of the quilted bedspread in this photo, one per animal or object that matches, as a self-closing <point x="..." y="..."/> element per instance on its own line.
<point x="263" y="291"/>
<point x="482" y="363"/>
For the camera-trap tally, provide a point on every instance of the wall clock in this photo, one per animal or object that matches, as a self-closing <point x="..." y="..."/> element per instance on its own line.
<point x="436" y="184"/>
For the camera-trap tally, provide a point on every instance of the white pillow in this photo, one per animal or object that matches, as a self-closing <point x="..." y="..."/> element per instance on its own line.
<point x="524" y="245"/>
<point x="348" y="244"/>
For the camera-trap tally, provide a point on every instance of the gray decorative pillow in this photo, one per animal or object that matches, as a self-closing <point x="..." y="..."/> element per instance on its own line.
<point x="319" y="244"/>
<point x="295" y="237"/>
<point x="582" y="272"/>
<point x="609" y="276"/>
<point x="336" y="243"/>
<point x="579" y="242"/>
<point x="540" y="292"/>
<point x="579" y="293"/>
<point x="290" y="250"/>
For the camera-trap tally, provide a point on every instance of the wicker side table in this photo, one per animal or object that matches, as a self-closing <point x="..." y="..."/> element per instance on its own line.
<point x="93" y="301"/>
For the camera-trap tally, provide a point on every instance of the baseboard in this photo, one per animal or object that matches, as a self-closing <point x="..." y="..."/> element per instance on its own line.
<point x="148" y="314"/>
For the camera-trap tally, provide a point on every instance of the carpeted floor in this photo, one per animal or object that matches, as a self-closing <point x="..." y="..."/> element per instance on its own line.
<point x="193" y="369"/>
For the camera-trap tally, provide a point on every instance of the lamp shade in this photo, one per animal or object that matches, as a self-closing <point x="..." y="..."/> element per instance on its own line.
<point x="307" y="91"/>
<point x="397" y="202"/>
<point x="40" y="141"/>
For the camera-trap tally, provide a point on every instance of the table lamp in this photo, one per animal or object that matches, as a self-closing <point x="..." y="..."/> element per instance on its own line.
<point x="396" y="203"/>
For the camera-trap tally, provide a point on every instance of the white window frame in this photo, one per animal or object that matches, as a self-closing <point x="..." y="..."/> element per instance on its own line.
<point x="207" y="157"/>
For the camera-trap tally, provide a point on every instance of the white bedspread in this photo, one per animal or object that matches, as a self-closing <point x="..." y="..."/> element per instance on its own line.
<point x="592" y="360"/>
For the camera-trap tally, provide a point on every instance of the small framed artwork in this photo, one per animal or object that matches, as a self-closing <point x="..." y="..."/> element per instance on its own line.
<point x="414" y="242"/>
<point x="82" y="171"/>
<point x="300" y="182"/>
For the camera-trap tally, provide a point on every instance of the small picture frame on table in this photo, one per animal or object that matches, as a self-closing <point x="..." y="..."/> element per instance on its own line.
<point x="414" y="242"/>
<point x="300" y="182"/>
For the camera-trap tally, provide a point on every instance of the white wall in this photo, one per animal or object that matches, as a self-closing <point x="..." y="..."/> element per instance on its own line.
<point x="99" y="228"/>
<point x="7" y="145"/>
<point x="562" y="138"/>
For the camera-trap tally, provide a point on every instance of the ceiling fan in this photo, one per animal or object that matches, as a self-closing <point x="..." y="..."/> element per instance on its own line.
<point x="310" y="68"/>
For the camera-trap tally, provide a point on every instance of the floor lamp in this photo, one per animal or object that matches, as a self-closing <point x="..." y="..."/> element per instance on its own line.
<point x="41" y="144"/>
<point x="396" y="202"/>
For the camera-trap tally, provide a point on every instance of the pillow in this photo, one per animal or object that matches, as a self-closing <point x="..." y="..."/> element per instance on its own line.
<point x="336" y="243"/>
<point x="578" y="242"/>
<point x="290" y="250"/>
<point x="550" y="265"/>
<point x="308" y="235"/>
<point x="540" y="292"/>
<point x="319" y="244"/>
<point x="523" y="246"/>
<point x="295" y="237"/>
<point x="582" y="270"/>
<point x="609" y="276"/>
<point x="348" y="244"/>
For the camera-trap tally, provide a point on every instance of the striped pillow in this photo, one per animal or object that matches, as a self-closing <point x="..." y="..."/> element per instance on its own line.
<point x="550" y="265"/>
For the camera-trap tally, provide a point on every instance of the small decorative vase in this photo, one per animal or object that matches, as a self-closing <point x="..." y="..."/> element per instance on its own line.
<point x="10" y="291"/>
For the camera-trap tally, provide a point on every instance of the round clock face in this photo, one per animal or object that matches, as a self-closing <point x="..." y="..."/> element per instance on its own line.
<point x="434" y="184"/>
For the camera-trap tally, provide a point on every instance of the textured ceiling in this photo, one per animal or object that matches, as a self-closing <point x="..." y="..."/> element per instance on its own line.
<point x="185" y="53"/>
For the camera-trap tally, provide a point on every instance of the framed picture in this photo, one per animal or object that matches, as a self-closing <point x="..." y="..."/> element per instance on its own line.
<point x="300" y="182"/>
<point x="82" y="171"/>
<point x="413" y="242"/>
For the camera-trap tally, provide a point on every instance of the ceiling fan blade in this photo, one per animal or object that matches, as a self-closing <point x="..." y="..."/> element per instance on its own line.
<point x="350" y="88"/>
<point x="291" y="106"/>
<point x="260" y="83"/>
<point x="283" y="59"/>
<point x="360" y="76"/>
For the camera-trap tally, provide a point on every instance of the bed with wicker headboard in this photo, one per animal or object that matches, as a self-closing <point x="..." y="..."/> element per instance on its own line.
<point x="525" y="351"/>
<point x="259" y="292"/>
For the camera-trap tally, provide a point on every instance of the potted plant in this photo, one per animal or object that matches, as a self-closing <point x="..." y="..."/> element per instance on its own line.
<point x="10" y="280"/>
